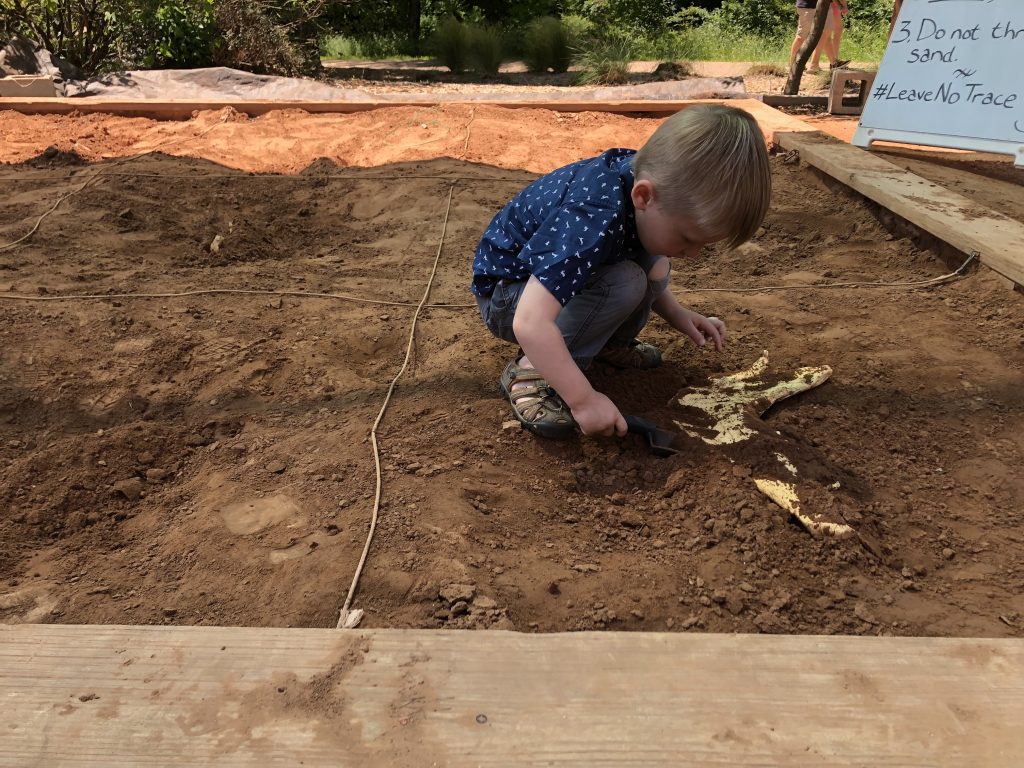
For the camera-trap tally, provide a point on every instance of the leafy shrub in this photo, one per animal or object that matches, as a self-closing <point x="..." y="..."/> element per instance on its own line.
<point x="872" y="13"/>
<point x="451" y="44"/>
<point x="340" y="47"/>
<point x="605" y="63"/>
<point x="483" y="49"/>
<point x="262" y="37"/>
<point x="183" y="33"/>
<point x="84" y="34"/>
<point x="761" y="17"/>
<point x="640" y="17"/>
<point x="687" y="18"/>
<point x="546" y="45"/>
<point x="578" y="29"/>
<point x="718" y="40"/>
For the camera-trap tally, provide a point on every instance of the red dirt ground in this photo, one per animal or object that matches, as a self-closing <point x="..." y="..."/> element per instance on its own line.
<point x="204" y="460"/>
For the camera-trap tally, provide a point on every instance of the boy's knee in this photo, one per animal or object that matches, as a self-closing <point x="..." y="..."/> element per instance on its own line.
<point x="629" y="282"/>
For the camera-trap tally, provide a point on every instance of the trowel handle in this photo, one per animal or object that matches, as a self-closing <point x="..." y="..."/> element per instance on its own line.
<point x="639" y="425"/>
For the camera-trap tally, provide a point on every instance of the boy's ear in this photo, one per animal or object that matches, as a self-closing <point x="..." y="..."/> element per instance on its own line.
<point x="642" y="194"/>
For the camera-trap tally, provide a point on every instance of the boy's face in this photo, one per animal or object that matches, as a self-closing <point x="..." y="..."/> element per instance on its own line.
<point x="662" y="233"/>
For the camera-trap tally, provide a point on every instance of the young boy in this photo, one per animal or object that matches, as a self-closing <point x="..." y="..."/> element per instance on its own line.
<point x="571" y="268"/>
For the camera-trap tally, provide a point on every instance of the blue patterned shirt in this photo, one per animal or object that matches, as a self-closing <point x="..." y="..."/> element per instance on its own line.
<point x="561" y="227"/>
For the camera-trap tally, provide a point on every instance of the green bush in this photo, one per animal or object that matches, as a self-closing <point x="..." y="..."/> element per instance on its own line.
<point x="546" y="45"/>
<point x="760" y="17"/>
<point x="83" y="34"/>
<point x="184" y="34"/>
<point x="687" y="18"/>
<point x="340" y="47"/>
<point x="871" y="13"/>
<point x="578" y="29"/>
<point x="717" y="40"/>
<point x="862" y="42"/>
<point x="275" y="38"/>
<point x="451" y="44"/>
<point x="638" y="17"/>
<point x="484" y="49"/>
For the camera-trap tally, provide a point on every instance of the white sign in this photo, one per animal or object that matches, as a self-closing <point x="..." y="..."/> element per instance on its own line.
<point x="952" y="76"/>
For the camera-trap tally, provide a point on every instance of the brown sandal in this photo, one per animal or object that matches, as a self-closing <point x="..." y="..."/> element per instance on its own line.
<point x="543" y="411"/>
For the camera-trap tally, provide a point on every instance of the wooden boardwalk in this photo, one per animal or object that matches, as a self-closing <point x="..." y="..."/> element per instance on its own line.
<point x="176" y="696"/>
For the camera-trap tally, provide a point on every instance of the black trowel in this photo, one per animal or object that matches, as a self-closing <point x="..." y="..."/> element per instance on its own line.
<point x="659" y="440"/>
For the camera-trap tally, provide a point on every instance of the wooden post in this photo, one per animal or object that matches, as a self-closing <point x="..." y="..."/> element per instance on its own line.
<point x="895" y="15"/>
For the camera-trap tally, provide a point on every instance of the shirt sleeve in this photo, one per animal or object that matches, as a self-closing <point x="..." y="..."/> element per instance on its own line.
<point x="574" y="239"/>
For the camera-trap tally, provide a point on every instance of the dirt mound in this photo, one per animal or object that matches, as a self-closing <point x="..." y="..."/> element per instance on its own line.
<point x="204" y="459"/>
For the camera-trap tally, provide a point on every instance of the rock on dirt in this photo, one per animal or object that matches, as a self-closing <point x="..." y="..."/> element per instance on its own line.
<point x="131" y="488"/>
<point x="454" y="593"/>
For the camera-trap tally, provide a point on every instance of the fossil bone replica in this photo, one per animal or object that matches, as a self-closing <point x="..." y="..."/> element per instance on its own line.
<point x="730" y="409"/>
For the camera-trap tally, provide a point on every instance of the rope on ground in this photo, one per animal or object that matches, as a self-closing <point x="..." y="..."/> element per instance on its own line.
<point x="469" y="125"/>
<point x="53" y="208"/>
<point x="348" y="618"/>
<point x="344" y="297"/>
<point x="811" y="286"/>
<point x="241" y="175"/>
<point x="222" y="291"/>
<point x="94" y="177"/>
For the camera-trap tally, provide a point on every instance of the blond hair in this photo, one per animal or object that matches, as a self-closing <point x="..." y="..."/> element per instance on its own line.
<point x="710" y="162"/>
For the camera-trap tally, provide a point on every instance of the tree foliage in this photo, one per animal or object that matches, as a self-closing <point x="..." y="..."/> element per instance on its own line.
<point x="97" y="35"/>
<point x="83" y="32"/>
<point x="281" y="36"/>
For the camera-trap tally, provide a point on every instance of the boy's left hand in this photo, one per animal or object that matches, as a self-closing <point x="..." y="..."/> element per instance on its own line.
<point x="700" y="329"/>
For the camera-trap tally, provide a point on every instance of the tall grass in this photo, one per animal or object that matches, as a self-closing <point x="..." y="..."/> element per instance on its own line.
<point x="604" y="62"/>
<point x="546" y="45"/>
<point x="710" y="42"/>
<point x="545" y="40"/>
<point x="340" y="47"/>
<point x="451" y="44"/>
<point x="484" y="49"/>
<point x="864" y="44"/>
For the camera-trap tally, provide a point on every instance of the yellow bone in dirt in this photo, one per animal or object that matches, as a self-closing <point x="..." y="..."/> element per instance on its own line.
<point x="728" y="400"/>
<point x="734" y="403"/>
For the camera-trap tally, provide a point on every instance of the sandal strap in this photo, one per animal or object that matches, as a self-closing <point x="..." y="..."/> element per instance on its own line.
<point x="542" y="404"/>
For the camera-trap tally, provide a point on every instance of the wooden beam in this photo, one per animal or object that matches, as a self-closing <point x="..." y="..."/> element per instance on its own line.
<point x="182" y="110"/>
<point x="771" y="120"/>
<point x="953" y="218"/>
<point x="172" y="696"/>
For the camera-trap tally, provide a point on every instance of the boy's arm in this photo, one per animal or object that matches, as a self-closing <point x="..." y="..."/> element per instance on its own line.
<point x="693" y="324"/>
<point x="535" y="330"/>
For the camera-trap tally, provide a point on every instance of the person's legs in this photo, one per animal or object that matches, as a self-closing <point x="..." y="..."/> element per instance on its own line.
<point x="837" y="35"/>
<point x="613" y="306"/>
<point x="615" y="302"/>
<point x="609" y="311"/>
<point x="826" y="45"/>
<point x="804" y="22"/>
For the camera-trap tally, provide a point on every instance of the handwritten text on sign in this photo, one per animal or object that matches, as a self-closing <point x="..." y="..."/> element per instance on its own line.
<point x="953" y="67"/>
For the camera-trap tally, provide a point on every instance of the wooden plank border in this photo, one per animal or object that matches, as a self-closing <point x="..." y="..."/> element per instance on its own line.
<point x="966" y="225"/>
<point x="182" y="110"/>
<point x="215" y="696"/>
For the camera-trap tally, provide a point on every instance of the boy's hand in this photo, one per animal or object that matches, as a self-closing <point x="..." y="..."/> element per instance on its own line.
<point x="700" y="329"/>
<point x="597" y="415"/>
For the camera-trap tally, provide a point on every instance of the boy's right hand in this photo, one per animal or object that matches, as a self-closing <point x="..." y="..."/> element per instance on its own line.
<point x="597" y="415"/>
